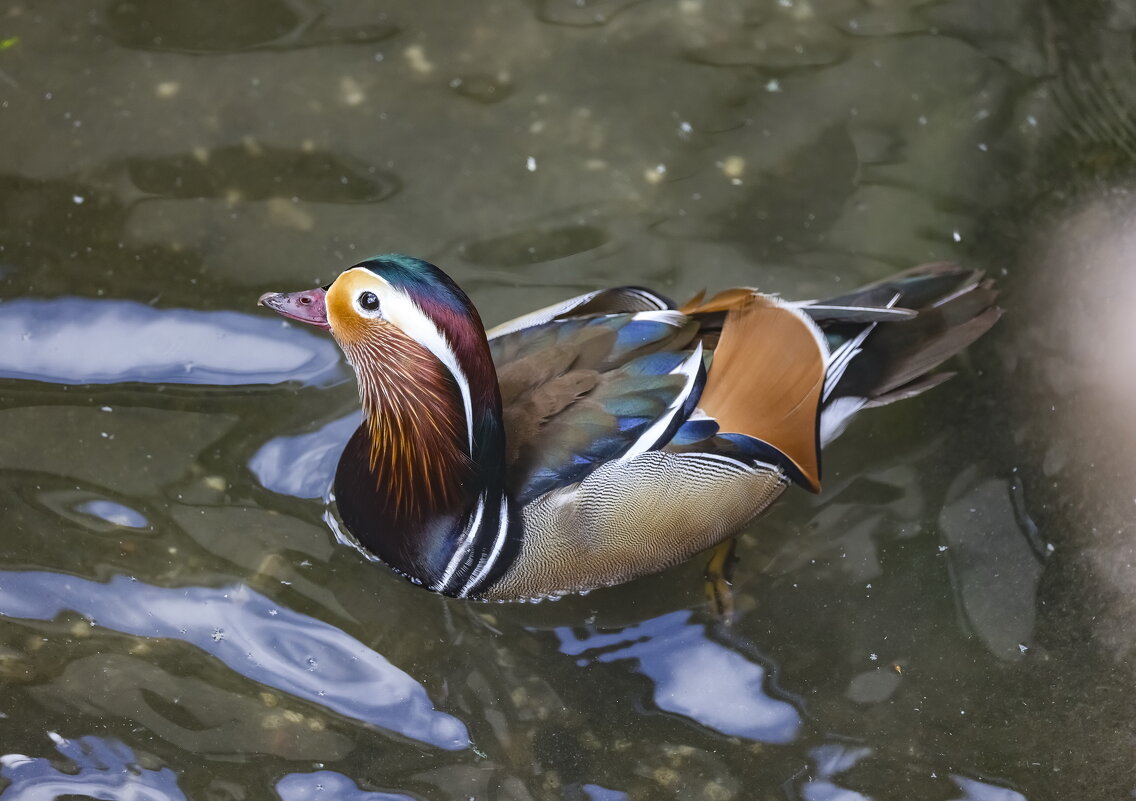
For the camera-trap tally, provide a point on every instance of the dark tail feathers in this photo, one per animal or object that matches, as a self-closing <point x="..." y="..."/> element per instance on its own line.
<point x="887" y="337"/>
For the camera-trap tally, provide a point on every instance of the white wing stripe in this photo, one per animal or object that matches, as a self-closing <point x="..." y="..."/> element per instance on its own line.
<point x="540" y="315"/>
<point x="690" y="369"/>
<point x="840" y="360"/>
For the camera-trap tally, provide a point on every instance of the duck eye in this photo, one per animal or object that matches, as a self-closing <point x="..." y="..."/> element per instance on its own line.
<point x="368" y="301"/>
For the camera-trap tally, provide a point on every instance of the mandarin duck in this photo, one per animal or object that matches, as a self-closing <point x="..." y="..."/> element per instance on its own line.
<point x="614" y="434"/>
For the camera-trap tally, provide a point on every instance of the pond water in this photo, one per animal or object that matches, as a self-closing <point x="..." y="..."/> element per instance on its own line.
<point x="950" y="619"/>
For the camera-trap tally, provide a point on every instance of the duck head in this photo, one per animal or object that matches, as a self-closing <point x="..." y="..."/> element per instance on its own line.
<point x="432" y="438"/>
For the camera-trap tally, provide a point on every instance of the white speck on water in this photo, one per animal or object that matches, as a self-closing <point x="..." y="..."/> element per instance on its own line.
<point x="351" y="91"/>
<point x="943" y="548"/>
<point x="956" y="236"/>
<point x="1022" y="647"/>
<point x="218" y="635"/>
<point x="733" y="166"/>
<point x="922" y="120"/>
<point x="773" y="85"/>
<point x="530" y="164"/>
<point x="416" y="57"/>
<point x="273" y="612"/>
<point x="78" y="200"/>
<point x="313" y="663"/>
<point x="105" y="409"/>
<point x="983" y="147"/>
<point x="873" y="657"/>
<point x="1031" y="121"/>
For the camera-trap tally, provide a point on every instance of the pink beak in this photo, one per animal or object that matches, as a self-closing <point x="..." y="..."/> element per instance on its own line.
<point x="308" y="306"/>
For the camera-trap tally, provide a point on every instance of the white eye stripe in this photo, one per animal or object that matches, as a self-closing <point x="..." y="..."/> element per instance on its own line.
<point x="398" y="308"/>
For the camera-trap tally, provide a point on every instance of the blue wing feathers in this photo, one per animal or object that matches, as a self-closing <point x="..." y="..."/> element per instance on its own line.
<point x="636" y="381"/>
<point x="694" y="431"/>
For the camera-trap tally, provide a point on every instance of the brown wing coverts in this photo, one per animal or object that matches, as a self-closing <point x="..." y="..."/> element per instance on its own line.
<point x="767" y="375"/>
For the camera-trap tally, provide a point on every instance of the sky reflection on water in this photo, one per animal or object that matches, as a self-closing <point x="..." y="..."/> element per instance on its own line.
<point x="679" y="658"/>
<point x="253" y="636"/>
<point x="324" y="784"/>
<point x="108" y="769"/>
<point x="103" y="768"/>
<point x="84" y="341"/>
<point x="304" y="465"/>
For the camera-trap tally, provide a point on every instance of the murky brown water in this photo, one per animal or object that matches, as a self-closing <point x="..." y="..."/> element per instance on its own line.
<point x="950" y="619"/>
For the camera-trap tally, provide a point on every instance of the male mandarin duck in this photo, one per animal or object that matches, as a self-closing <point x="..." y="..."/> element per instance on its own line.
<point x="611" y="435"/>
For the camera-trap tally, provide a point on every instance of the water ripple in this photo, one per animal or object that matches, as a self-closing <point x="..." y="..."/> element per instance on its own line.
<point x="328" y="784"/>
<point x="304" y="465"/>
<point x="102" y="768"/>
<point x="678" y="657"/>
<point x="254" y="637"/>
<point x="84" y="341"/>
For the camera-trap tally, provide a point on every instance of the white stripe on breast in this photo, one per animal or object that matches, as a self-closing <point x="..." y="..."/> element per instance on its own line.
<point x="487" y="564"/>
<point x="462" y="549"/>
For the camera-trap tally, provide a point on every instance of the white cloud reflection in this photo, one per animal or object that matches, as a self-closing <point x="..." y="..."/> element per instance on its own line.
<point x="253" y="636"/>
<point x="328" y="784"/>
<point x="694" y="676"/>
<point x="102" y="768"/>
<point x="304" y="465"/>
<point x="85" y="341"/>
